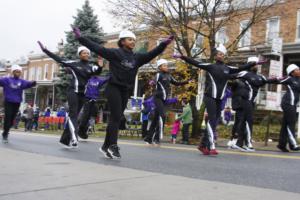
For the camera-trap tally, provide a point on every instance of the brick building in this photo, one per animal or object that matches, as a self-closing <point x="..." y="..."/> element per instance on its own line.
<point x="282" y="21"/>
<point x="43" y="70"/>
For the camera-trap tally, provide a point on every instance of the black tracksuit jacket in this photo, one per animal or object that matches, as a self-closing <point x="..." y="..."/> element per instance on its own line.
<point x="217" y="76"/>
<point x="81" y="71"/>
<point x="163" y="85"/>
<point x="123" y="64"/>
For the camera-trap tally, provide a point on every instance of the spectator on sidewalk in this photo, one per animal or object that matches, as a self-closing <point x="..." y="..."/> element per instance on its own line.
<point x="175" y="130"/>
<point x="36" y="115"/>
<point x="186" y="117"/>
<point x="61" y="114"/>
<point x="29" y="118"/>
<point x="47" y="115"/>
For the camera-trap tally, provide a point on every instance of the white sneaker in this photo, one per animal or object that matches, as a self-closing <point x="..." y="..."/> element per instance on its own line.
<point x="249" y="149"/>
<point x="239" y="148"/>
<point x="229" y="143"/>
<point x="234" y="141"/>
<point x="65" y="146"/>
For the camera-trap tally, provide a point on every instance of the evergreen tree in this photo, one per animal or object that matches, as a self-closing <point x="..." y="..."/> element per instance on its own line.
<point x="88" y="23"/>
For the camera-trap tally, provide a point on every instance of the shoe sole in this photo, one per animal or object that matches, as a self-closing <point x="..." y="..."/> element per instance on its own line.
<point x="213" y="154"/>
<point x="239" y="148"/>
<point x="111" y="153"/>
<point x="283" y="150"/>
<point x="204" y="153"/>
<point x="105" y="153"/>
<point x="65" y="146"/>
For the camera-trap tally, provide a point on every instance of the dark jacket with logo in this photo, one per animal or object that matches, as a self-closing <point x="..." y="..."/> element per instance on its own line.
<point x="291" y="97"/>
<point x="163" y="85"/>
<point x="81" y="71"/>
<point x="217" y="76"/>
<point x="123" y="64"/>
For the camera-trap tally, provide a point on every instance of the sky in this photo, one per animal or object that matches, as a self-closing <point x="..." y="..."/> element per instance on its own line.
<point x="23" y="22"/>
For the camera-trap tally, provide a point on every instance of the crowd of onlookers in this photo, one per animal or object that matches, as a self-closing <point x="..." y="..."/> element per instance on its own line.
<point x="34" y="118"/>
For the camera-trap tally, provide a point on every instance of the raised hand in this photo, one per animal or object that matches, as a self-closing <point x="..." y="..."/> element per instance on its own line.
<point x="168" y="40"/>
<point x="41" y="45"/>
<point x="76" y="32"/>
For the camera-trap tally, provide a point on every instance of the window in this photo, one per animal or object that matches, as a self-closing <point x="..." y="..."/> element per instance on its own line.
<point x="198" y="45"/>
<point x="298" y="25"/>
<point x="272" y="29"/>
<point x="54" y="71"/>
<point x="221" y="36"/>
<point x="245" y="41"/>
<point x="39" y="75"/>
<point x="25" y="74"/>
<point x="32" y="73"/>
<point x="46" y="72"/>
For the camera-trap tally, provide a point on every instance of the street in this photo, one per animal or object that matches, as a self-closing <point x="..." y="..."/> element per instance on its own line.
<point x="37" y="166"/>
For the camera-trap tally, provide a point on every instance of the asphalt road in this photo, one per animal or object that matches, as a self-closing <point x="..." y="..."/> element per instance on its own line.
<point x="272" y="170"/>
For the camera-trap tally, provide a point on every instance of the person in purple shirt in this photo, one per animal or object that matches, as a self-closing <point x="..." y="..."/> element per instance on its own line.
<point x="13" y="87"/>
<point x="91" y="93"/>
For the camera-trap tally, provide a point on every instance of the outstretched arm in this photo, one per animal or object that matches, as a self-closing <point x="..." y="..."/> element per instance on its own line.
<point x="93" y="46"/>
<point x="241" y="68"/>
<point x="144" y="58"/>
<point x="52" y="55"/>
<point x="176" y="82"/>
<point x="282" y="80"/>
<point x="246" y="66"/>
<point x="28" y="84"/>
<point x="67" y="64"/>
<point x="204" y="66"/>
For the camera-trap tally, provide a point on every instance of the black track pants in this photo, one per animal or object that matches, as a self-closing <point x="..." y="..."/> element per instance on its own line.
<point x="157" y="122"/>
<point x="117" y="98"/>
<point x="213" y="108"/>
<point x="89" y="110"/>
<point x="245" y="124"/>
<point x="144" y="128"/>
<point x="237" y="119"/>
<point x="10" y="112"/>
<point x="75" y="102"/>
<point x="287" y="132"/>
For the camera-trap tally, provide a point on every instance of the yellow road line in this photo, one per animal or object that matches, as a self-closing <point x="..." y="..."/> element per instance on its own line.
<point x="253" y="154"/>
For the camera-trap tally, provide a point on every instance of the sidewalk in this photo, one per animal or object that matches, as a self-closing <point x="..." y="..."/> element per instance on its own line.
<point x="29" y="176"/>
